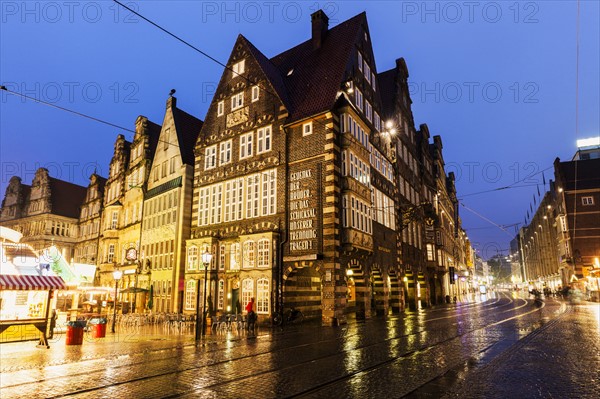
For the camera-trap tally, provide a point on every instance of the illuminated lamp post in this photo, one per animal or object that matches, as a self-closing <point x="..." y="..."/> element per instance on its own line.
<point x="206" y="258"/>
<point x="117" y="274"/>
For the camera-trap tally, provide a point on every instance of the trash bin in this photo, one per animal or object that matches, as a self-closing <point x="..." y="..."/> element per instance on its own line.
<point x="75" y="332"/>
<point x="98" y="325"/>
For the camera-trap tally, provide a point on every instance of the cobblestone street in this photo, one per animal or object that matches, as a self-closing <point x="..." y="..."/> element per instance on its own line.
<point x="499" y="347"/>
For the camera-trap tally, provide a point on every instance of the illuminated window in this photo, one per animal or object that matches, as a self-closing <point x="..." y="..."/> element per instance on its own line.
<point x="234" y="256"/>
<point x="263" y="253"/>
<point x="263" y="140"/>
<point x="430" y="252"/>
<point x="358" y="99"/>
<point x="222" y="257"/>
<point x="262" y="296"/>
<point x="225" y="152"/>
<point x="360" y="62"/>
<point x="247" y="291"/>
<point x="237" y="101"/>
<point x="210" y="157"/>
<point x="246" y="145"/>
<point x="249" y="258"/>
<point x="307" y="129"/>
<point x="111" y="253"/>
<point x="193" y="258"/>
<point x="190" y="295"/>
<point x="238" y="68"/>
<point x="115" y="220"/>
<point x="221" y="295"/>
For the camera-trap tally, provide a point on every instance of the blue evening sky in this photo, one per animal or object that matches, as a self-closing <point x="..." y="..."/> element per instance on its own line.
<point x="497" y="80"/>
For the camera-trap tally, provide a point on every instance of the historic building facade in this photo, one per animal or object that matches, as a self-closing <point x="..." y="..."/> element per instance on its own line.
<point x="577" y="191"/>
<point x="167" y="207"/>
<point x="109" y="254"/>
<point x="308" y="184"/>
<point x="560" y="245"/>
<point x="90" y="219"/>
<point x="296" y="184"/>
<point x="45" y="212"/>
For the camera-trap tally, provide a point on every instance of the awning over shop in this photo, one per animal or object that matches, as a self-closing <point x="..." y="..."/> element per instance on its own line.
<point x="37" y="283"/>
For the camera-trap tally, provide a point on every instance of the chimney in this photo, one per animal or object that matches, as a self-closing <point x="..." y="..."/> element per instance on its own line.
<point x="320" y="24"/>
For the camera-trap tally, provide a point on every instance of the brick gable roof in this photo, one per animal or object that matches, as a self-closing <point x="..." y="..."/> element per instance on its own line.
<point x="318" y="74"/>
<point x="270" y="71"/>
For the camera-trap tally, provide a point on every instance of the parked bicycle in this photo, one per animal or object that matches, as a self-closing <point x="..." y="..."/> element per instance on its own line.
<point x="291" y="316"/>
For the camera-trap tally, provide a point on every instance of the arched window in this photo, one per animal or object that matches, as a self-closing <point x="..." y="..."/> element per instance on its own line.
<point x="190" y="295"/>
<point x="193" y="258"/>
<point x="262" y="296"/>
<point x="247" y="291"/>
<point x="264" y="253"/>
<point x="249" y="258"/>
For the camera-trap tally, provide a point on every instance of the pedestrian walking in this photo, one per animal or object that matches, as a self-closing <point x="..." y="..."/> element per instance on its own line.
<point x="251" y="315"/>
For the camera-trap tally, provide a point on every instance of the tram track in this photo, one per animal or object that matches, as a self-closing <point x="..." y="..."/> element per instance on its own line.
<point x="196" y="368"/>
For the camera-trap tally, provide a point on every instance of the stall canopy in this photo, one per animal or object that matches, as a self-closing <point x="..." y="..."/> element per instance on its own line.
<point x="36" y="283"/>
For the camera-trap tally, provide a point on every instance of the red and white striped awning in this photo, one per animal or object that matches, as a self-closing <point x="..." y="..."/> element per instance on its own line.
<point x="37" y="283"/>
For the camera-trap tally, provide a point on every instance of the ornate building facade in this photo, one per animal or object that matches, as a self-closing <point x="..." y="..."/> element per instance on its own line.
<point x="308" y="183"/>
<point x="45" y="212"/>
<point x="167" y="207"/>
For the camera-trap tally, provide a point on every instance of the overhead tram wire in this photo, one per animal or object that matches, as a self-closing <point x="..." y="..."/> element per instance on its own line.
<point x="243" y="77"/>
<point x="205" y="54"/>
<point x="76" y="113"/>
<point x="512" y="185"/>
<point x="65" y="109"/>
<point x="486" y="219"/>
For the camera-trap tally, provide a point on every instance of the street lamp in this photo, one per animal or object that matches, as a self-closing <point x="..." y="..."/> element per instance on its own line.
<point x="117" y="274"/>
<point x="138" y="270"/>
<point x="206" y="258"/>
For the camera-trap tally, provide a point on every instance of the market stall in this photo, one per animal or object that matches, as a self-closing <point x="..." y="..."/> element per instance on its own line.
<point x="25" y="306"/>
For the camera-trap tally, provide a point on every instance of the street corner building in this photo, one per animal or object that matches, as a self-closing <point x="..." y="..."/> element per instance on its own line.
<point x="313" y="189"/>
<point x="308" y="183"/>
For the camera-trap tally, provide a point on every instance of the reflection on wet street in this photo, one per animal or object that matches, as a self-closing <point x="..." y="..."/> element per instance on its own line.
<point x="448" y="350"/>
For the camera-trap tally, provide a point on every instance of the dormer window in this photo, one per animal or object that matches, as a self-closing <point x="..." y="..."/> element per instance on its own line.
<point x="238" y="68"/>
<point x="237" y="101"/>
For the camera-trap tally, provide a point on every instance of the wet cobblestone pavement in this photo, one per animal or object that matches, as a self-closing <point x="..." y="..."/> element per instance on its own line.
<point x="490" y="348"/>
